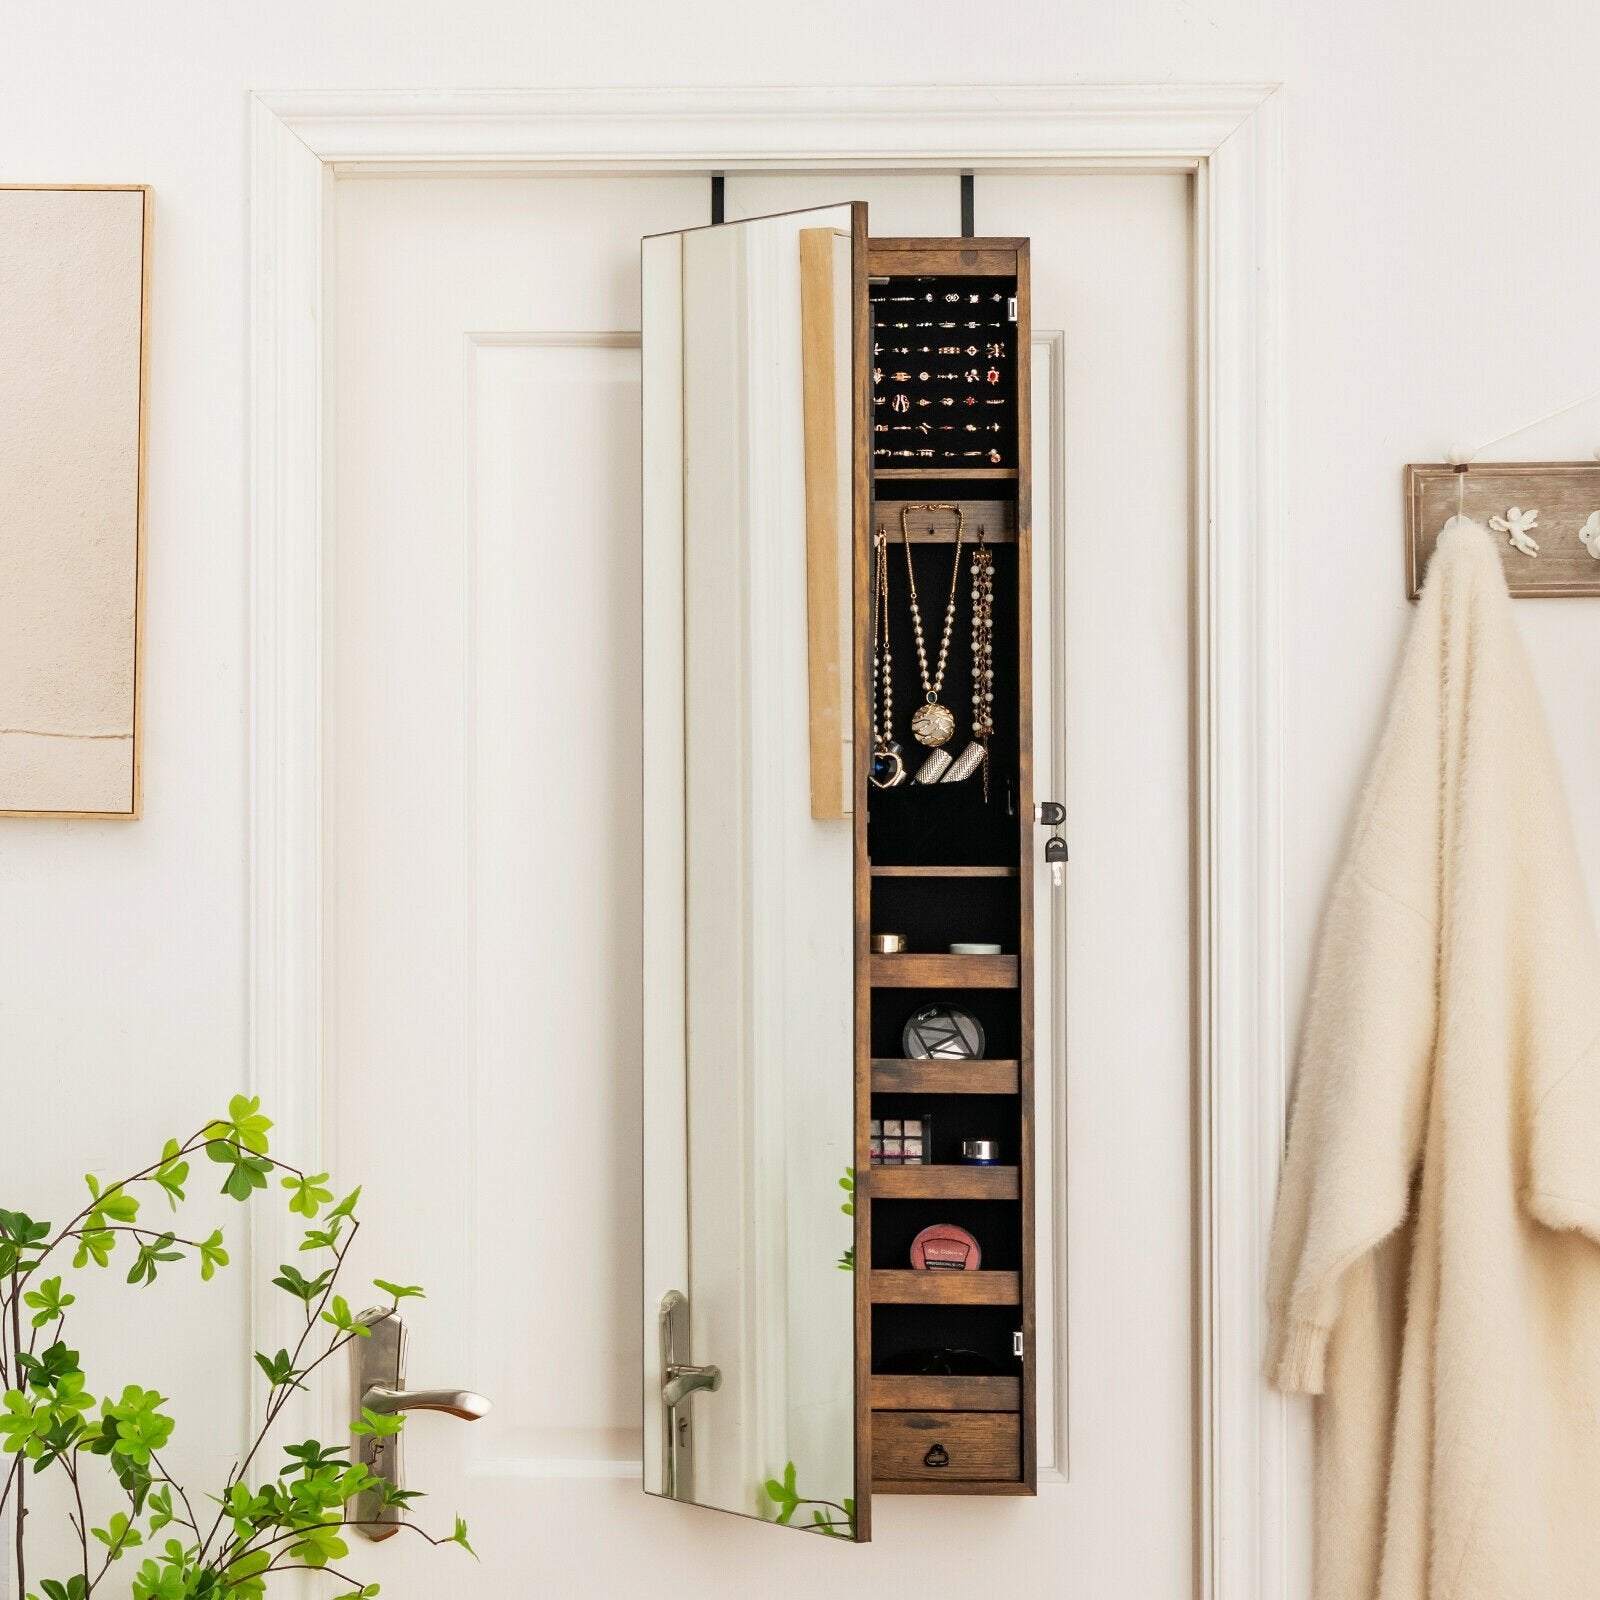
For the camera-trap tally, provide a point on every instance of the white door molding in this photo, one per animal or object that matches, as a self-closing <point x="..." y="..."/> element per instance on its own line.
<point x="1229" y="137"/>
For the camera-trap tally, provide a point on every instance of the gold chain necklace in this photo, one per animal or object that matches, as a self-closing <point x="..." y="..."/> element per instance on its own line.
<point x="931" y="722"/>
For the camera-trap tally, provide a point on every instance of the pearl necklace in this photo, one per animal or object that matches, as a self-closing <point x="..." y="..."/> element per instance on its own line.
<point x="933" y="723"/>
<point x="983" y="651"/>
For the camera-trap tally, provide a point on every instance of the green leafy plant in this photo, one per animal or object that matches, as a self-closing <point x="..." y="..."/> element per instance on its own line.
<point x="847" y="1262"/>
<point x="263" y="1523"/>
<point x="835" y="1518"/>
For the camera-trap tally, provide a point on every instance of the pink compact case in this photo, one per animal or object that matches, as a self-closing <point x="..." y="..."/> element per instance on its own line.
<point x="945" y="1248"/>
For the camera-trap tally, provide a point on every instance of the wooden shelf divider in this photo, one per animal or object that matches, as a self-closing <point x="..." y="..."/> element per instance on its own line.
<point x="908" y="1287"/>
<point x="996" y="519"/>
<point x="944" y="972"/>
<point x="944" y="1077"/>
<point x="892" y="1392"/>
<point x="944" y="872"/>
<point x="948" y="536"/>
<point x="984" y="1486"/>
<point x="902" y="474"/>
<point x="940" y="1182"/>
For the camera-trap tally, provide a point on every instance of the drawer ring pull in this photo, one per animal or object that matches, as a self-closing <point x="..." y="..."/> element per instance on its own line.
<point x="937" y="1456"/>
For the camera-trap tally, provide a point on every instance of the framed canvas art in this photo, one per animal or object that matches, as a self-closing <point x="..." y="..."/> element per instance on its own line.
<point x="74" y="313"/>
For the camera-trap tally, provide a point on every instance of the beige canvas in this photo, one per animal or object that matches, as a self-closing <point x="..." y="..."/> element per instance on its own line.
<point x="72" y="264"/>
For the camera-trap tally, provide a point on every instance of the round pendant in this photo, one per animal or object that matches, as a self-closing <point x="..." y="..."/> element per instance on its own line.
<point x="932" y="723"/>
<point x="887" y="768"/>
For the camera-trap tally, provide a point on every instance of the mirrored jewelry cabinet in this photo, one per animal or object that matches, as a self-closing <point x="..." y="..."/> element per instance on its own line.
<point x="838" y="859"/>
<point x="944" y="1034"/>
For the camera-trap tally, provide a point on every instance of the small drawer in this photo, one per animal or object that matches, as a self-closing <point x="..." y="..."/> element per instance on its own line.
<point x="911" y="1445"/>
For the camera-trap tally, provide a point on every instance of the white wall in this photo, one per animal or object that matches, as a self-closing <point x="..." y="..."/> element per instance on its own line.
<point x="1441" y="250"/>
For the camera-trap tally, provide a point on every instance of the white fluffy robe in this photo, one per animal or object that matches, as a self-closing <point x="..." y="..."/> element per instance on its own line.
<point x="1435" y="1266"/>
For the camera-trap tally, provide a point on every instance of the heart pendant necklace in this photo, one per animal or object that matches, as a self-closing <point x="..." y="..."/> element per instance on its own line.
<point x="931" y="722"/>
<point x="888" y="765"/>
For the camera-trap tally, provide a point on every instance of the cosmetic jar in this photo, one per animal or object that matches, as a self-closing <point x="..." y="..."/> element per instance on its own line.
<point x="975" y="950"/>
<point x="888" y="944"/>
<point x="945" y="1248"/>
<point x="979" y="1152"/>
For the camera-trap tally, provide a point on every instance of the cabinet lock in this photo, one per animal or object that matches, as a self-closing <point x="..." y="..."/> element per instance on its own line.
<point x="1051" y="814"/>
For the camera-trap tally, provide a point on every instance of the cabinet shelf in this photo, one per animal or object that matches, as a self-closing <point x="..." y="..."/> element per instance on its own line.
<point x="891" y="1392"/>
<point x="902" y="474"/>
<point x="952" y="1486"/>
<point x="944" y="1077"/>
<point x="948" y="536"/>
<point x="912" y="1288"/>
<point x="943" y="872"/>
<point x="940" y="1182"/>
<point x="944" y="972"/>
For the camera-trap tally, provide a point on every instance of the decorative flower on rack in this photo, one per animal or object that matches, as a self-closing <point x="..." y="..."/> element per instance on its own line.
<point x="1515" y="525"/>
<point x="1589" y="535"/>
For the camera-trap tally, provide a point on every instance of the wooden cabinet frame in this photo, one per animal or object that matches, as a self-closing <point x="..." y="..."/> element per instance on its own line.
<point x="980" y="1432"/>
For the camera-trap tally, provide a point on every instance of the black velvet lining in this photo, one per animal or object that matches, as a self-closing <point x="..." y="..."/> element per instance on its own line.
<point x="944" y="396"/>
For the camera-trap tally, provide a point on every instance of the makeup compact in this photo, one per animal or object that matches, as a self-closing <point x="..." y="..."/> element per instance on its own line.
<point x="900" y="1141"/>
<point x="913" y="1141"/>
<point x="942" y="1032"/>
<point x="945" y="1248"/>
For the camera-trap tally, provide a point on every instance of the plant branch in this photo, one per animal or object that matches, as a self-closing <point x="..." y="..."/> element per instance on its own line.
<point x="21" y="1509"/>
<point x="113" y="1550"/>
<point x="436" y="1540"/>
<point x="276" y="1404"/>
<point x="71" y="1228"/>
<point x="279" y="1528"/>
<point x="80" y="1522"/>
<point x="231" y="1548"/>
<point x="166" y="1477"/>
<point x="141" y="1233"/>
<point x="195" y="1141"/>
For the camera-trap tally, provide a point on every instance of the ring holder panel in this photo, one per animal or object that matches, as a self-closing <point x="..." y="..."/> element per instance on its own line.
<point x="944" y="365"/>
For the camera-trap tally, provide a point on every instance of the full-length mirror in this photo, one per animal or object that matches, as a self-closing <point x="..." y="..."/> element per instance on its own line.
<point x="749" y="453"/>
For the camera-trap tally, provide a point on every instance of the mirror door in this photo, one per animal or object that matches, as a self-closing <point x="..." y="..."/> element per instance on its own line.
<point x="753" y="447"/>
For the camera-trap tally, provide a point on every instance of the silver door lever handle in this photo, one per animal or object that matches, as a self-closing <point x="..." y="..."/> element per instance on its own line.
<point x="682" y="1381"/>
<point x="463" y="1403"/>
<point x="378" y="1380"/>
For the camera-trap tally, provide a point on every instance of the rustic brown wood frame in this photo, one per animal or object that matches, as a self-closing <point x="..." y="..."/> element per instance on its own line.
<point x="989" y="1421"/>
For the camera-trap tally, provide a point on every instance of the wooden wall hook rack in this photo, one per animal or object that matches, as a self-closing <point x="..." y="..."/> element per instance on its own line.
<point x="1545" y="516"/>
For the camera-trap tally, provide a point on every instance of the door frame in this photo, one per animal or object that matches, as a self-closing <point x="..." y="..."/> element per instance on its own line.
<point x="1229" y="138"/>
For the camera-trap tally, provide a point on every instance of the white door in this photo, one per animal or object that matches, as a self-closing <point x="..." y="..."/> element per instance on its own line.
<point x="482" y="747"/>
